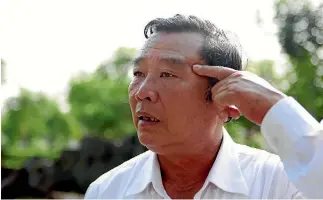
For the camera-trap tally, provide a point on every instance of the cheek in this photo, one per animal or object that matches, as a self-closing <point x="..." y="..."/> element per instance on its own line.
<point x="185" y="99"/>
<point x="191" y="97"/>
<point x="132" y="89"/>
<point x="133" y="86"/>
<point x="177" y="92"/>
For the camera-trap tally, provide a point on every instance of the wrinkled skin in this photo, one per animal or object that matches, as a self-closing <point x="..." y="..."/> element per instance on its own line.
<point x="165" y="86"/>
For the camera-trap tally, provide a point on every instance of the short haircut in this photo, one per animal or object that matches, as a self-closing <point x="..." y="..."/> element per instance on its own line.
<point x="217" y="49"/>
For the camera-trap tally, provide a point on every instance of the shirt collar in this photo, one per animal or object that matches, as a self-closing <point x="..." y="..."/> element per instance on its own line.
<point x="148" y="173"/>
<point x="225" y="172"/>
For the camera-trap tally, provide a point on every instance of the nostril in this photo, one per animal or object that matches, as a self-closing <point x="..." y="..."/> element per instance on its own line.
<point x="146" y="95"/>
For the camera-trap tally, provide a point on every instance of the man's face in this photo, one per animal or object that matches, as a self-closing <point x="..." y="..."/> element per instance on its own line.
<point x="167" y="99"/>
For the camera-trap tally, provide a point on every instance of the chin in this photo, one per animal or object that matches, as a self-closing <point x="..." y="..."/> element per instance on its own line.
<point x="159" y="150"/>
<point x="146" y="139"/>
<point x="152" y="143"/>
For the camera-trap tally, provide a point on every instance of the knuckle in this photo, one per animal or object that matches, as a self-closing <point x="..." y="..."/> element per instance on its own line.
<point x="235" y="82"/>
<point x="237" y="74"/>
<point x="232" y="88"/>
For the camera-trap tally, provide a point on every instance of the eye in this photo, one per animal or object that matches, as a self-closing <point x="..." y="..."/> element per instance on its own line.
<point x="166" y="75"/>
<point x="138" y="73"/>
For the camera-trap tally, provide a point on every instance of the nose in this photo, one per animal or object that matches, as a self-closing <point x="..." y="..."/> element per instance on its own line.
<point x="147" y="91"/>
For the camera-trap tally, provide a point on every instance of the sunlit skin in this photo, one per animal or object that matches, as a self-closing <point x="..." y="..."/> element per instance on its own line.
<point x="189" y="131"/>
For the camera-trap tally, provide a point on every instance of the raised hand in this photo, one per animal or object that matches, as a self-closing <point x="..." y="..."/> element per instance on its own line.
<point x="250" y="94"/>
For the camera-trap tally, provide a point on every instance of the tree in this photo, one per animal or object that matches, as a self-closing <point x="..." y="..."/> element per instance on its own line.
<point x="99" y="100"/>
<point x="300" y="32"/>
<point x="33" y="125"/>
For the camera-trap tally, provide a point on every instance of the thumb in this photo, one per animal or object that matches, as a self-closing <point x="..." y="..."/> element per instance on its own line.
<point x="217" y="72"/>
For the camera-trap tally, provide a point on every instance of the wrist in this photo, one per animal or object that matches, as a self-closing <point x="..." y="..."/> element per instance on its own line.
<point x="275" y="97"/>
<point x="272" y="100"/>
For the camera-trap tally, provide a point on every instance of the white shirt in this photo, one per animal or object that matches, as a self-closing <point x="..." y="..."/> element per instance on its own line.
<point x="238" y="171"/>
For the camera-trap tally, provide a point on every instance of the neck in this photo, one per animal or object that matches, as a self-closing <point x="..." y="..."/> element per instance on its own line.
<point x="190" y="167"/>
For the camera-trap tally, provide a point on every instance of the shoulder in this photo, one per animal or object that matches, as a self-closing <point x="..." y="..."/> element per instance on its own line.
<point x="256" y="157"/>
<point x="264" y="171"/>
<point x="110" y="182"/>
<point x="257" y="164"/>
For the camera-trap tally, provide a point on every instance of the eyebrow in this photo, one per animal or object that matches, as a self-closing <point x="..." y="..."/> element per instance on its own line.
<point x="168" y="58"/>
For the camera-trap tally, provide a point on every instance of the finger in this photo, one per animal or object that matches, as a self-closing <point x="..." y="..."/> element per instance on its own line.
<point x="224" y="97"/>
<point x="217" y="72"/>
<point x="221" y="86"/>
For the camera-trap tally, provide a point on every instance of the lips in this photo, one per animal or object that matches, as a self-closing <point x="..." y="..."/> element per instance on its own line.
<point x="147" y="117"/>
<point x="151" y="119"/>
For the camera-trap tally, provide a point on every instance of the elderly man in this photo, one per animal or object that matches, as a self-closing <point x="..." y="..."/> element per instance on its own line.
<point x="180" y="98"/>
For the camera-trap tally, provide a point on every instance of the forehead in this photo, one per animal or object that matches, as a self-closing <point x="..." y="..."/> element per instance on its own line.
<point x="177" y="47"/>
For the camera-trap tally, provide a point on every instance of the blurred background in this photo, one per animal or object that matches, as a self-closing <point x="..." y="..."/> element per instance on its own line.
<point x="65" y="118"/>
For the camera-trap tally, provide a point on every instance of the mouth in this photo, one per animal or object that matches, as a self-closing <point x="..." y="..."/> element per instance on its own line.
<point x="148" y="119"/>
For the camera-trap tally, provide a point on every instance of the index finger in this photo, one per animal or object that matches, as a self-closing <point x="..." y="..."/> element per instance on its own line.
<point x="217" y="72"/>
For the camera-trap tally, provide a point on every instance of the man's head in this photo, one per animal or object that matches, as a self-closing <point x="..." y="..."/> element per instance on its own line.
<point x="169" y="102"/>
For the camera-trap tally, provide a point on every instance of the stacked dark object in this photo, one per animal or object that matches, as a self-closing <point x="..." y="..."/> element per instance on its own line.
<point x="72" y="172"/>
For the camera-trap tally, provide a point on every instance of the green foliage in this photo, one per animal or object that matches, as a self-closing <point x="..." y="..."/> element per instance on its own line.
<point x="99" y="100"/>
<point x="33" y="123"/>
<point x="301" y="36"/>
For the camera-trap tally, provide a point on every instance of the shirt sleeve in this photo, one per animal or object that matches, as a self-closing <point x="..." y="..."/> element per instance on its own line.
<point x="298" y="139"/>
<point x="92" y="192"/>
